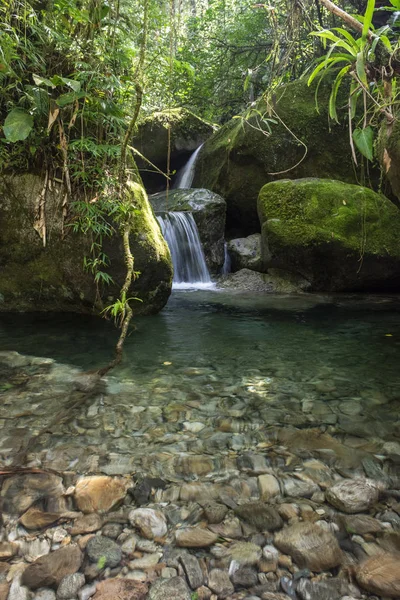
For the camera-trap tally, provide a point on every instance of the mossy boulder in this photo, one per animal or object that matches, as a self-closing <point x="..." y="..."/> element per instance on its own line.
<point x="388" y="150"/>
<point x="338" y="236"/>
<point x="178" y="128"/>
<point x="208" y="211"/>
<point x="52" y="277"/>
<point x="242" y="156"/>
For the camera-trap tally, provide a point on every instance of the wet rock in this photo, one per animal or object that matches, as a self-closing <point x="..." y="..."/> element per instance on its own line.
<point x="297" y="488"/>
<point x="129" y="544"/>
<point x="214" y="512"/>
<point x="121" y="589"/>
<point x="195" y="538"/>
<point x="87" y="592"/>
<point x="147" y="561"/>
<point x="310" y="546"/>
<point x="18" y="591"/>
<point x="245" y="253"/>
<point x="104" y="550"/>
<point x="87" y="524"/>
<point x="45" y="594"/>
<point x="112" y="530"/>
<point x="4" y="589"/>
<point x="34" y="518"/>
<point x="19" y="492"/>
<point x="244" y="553"/>
<point x="49" y="570"/>
<point x="8" y="550"/>
<point x="33" y="549"/>
<point x="353" y="495"/>
<point x="329" y="589"/>
<point x="203" y="593"/>
<point x="146" y="488"/>
<point x="69" y="586"/>
<point x="219" y="583"/>
<point x="192" y="569"/>
<point x="245" y="577"/>
<point x="100" y="493"/>
<point x="380" y="575"/>
<point x="151" y="523"/>
<point x="169" y="589"/>
<point x="268" y="486"/>
<point x="361" y="524"/>
<point x="265" y="518"/>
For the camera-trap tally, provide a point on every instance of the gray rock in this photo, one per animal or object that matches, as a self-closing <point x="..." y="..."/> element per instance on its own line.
<point x="45" y="594"/>
<point x="69" y="586"/>
<point x="219" y="583"/>
<point x="112" y="530"/>
<point x="215" y="512"/>
<point x="192" y="569"/>
<point x="18" y="591"/>
<point x="169" y="589"/>
<point x="297" y="488"/>
<point x="264" y="517"/>
<point x="330" y="589"/>
<point x="104" y="550"/>
<point x="353" y="495"/>
<point x="244" y="553"/>
<point x="245" y="253"/>
<point x="245" y="577"/>
<point x="151" y="523"/>
<point x="87" y="591"/>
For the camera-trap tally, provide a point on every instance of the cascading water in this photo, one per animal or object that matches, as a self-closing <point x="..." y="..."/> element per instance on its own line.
<point x="226" y="267"/>
<point x="185" y="176"/>
<point x="180" y="232"/>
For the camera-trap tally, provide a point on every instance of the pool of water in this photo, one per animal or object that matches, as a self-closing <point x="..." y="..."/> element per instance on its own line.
<point x="217" y="372"/>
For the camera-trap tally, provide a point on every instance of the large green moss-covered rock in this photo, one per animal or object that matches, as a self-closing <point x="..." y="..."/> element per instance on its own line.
<point x="242" y="156"/>
<point x="178" y="128"/>
<point x="340" y="237"/>
<point x="208" y="211"/>
<point x="52" y="278"/>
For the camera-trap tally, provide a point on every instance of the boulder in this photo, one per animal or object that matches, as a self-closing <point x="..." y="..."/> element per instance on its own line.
<point x="34" y="277"/>
<point x="241" y="157"/>
<point x="245" y="253"/>
<point x="310" y="546"/>
<point x="208" y="211"/>
<point x="179" y="128"/>
<point x="339" y="237"/>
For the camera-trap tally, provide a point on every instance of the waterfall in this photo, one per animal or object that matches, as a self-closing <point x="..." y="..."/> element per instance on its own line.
<point x="226" y="267"/>
<point x="185" y="176"/>
<point x="180" y="232"/>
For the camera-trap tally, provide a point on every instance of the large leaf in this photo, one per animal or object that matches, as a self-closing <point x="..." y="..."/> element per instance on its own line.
<point x="369" y="13"/>
<point x="364" y="140"/>
<point x="42" y="80"/>
<point x="17" y="125"/>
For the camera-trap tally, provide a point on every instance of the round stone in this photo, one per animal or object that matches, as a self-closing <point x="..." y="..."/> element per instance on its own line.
<point x="104" y="551"/>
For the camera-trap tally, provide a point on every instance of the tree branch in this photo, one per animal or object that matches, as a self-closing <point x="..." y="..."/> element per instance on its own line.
<point x="344" y="16"/>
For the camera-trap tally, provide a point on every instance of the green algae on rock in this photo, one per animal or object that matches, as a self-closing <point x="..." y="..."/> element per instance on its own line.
<point x="240" y="158"/>
<point x="338" y="236"/>
<point x="34" y="277"/>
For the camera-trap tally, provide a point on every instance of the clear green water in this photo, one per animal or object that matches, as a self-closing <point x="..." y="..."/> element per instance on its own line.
<point x="214" y="373"/>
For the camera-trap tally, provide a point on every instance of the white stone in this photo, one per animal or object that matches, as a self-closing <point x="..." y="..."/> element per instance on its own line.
<point x="268" y="486"/>
<point x="151" y="523"/>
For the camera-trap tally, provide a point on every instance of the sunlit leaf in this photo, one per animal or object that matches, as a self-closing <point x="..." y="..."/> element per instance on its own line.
<point x="364" y="140"/>
<point x="17" y="125"/>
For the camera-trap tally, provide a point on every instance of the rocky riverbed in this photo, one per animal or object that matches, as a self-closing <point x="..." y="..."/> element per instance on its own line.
<point x="258" y="490"/>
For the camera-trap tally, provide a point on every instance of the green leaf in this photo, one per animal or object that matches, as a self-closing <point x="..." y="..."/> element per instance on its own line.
<point x="360" y="68"/>
<point x="335" y="89"/>
<point x="369" y="13"/>
<point x="69" y="98"/>
<point x="74" y="85"/>
<point x="364" y="140"/>
<point x="395" y="3"/>
<point x="42" y="80"/>
<point x="17" y="125"/>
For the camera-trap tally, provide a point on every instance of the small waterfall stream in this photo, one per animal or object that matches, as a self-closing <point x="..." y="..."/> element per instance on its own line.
<point x="180" y="232"/>
<point x="185" y="176"/>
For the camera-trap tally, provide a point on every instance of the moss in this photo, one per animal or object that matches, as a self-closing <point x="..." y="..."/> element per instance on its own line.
<point x="337" y="235"/>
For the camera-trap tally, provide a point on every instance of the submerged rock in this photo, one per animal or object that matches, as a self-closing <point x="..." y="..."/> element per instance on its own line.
<point x="275" y="281"/>
<point x="173" y="589"/>
<point x="49" y="570"/>
<point x="380" y="575"/>
<point x="100" y="493"/>
<point x="101" y="548"/>
<point x="123" y="589"/>
<point x="353" y="495"/>
<point x="151" y="523"/>
<point x="265" y="518"/>
<point x="195" y="538"/>
<point x="310" y="546"/>
<point x="340" y="237"/>
<point x="19" y="492"/>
